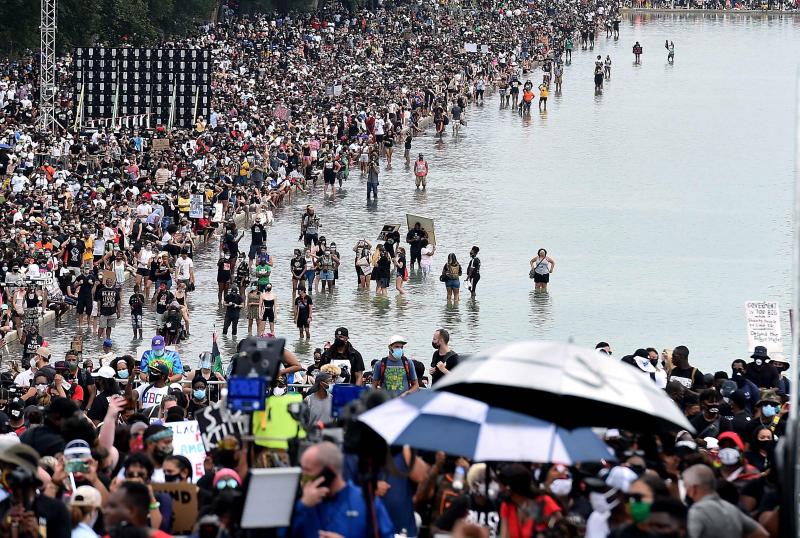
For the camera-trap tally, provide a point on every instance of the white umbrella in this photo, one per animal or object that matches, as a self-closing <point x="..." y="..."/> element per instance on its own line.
<point x="565" y="384"/>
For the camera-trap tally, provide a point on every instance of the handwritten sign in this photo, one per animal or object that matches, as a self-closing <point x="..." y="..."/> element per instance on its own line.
<point x="184" y="505"/>
<point x="160" y="144"/>
<point x="764" y="325"/>
<point x="216" y="422"/>
<point x="187" y="441"/>
<point x="196" y="206"/>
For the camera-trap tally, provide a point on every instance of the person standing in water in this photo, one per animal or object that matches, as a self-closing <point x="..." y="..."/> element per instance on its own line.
<point x="568" y="49"/>
<point x="558" y="74"/>
<point x="637" y="53"/>
<point x="541" y="267"/>
<point x="421" y="171"/>
<point x="473" y="270"/>
<point x="543" y="96"/>
<point x="607" y="66"/>
<point x="670" y="46"/>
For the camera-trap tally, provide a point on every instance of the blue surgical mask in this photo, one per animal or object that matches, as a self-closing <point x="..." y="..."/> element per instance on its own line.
<point x="769" y="411"/>
<point x="199" y="394"/>
<point x="329" y="389"/>
<point x="397" y="353"/>
<point x="123" y="374"/>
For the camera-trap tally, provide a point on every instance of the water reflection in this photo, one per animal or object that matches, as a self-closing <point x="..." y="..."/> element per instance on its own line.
<point x="541" y="314"/>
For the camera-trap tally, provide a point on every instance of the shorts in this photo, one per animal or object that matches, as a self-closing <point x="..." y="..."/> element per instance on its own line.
<point x="541" y="279"/>
<point x="269" y="315"/>
<point x="160" y="320"/>
<point x="84" y="307"/>
<point x="454" y="283"/>
<point x="302" y="322"/>
<point x="253" y="251"/>
<point x="383" y="282"/>
<point x="326" y="275"/>
<point x="364" y="158"/>
<point x="107" y="322"/>
<point x="136" y="321"/>
<point x="378" y="138"/>
<point x="143" y="271"/>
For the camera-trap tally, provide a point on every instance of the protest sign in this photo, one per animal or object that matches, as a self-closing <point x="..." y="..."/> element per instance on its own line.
<point x="471" y="47"/>
<point x="184" y="505"/>
<point x="219" y="214"/>
<point x="196" y="206"/>
<point x="764" y="325"/>
<point x="386" y="230"/>
<point x="425" y="223"/>
<point x="187" y="441"/>
<point x="217" y="422"/>
<point x="160" y="144"/>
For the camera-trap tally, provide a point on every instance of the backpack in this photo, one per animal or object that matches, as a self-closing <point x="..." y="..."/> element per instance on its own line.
<point x="384" y="362"/>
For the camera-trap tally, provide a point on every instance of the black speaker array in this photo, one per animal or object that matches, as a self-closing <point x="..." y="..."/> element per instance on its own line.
<point x="147" y="78"/>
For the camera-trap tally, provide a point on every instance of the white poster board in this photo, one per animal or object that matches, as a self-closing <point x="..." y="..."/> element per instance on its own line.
<point x="188" y="441"/>
<point x="219" y="214"/>
<point x="484" y="48"/>
<point x="764" y="325"/>
<point x="196" y="206"/>
<point x="471" y="47"/>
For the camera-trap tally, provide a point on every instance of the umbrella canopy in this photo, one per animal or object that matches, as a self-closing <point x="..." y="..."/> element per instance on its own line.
<point x="431" y="420"/>
<point x="565" y="384"/>
<point x="5" y="146"/>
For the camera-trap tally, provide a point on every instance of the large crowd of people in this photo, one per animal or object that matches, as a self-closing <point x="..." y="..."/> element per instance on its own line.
<point x="96" y="221"/>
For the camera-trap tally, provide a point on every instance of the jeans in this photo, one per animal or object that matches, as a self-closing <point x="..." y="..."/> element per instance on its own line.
<point x="310" y="279"/>
<point x="372" y="188"/>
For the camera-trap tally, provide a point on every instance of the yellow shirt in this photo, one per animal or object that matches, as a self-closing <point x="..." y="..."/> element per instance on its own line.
<point x="542" y="91"/>
<point x="88" y="254"/>
<point x="183" y="205"/>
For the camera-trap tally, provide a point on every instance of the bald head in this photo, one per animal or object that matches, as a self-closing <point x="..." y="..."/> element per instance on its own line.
<point x="322" y="455"/>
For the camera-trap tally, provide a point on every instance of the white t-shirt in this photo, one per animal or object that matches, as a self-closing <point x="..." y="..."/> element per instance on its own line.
<point x="153" y="396"/>
<point x="24" y="379"/>
<point x="183" y="268"/>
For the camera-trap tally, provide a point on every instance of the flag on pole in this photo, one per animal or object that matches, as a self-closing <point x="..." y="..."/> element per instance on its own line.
<point x="216" y="356"/>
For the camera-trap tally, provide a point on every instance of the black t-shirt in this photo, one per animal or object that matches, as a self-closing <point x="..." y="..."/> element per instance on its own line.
<point x="107" y="298"/>
<point x="450" y="360"/>
<point x="99" y="406"/>
<point x="464" y="507"/>
<point x="75" y="254"/>
<point x="259" y="234"/>
<point x="32" y="343"/>
<point x="85" y="282"/>
<point x="349" y="354"/>
<point x="136" y="302"/>
<point x="223" y="270"/>
<point x="163" y="299"/>
<point x="235" y="298"/>
<point x="415" y="237"/>
<point x="691" y="377"/>
<point x="298" y="267"/>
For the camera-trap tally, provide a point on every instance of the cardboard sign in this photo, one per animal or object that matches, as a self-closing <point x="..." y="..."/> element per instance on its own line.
<point x="425" y="223"/>
<point x="184" y="505"/>
<point x="196" y="206"/>
<point x="160" y="144"/>
<point x="187" y="441"/>
<point x="764" y="325"/>
<point x="109" y="278"/>
<point x="216" y="422"/>
<point x="386" y="230"/>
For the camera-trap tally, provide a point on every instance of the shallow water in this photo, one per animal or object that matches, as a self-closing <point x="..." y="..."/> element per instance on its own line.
<point x="665" y="201"/>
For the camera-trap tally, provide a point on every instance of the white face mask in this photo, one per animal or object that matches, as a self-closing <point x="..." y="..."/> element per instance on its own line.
<point x="729" y="456"/>
<point x="561" y="487"/>
<point x="278" y="391"/>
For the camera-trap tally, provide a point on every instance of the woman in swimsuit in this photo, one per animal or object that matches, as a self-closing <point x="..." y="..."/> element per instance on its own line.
<point x="267" y="310"/>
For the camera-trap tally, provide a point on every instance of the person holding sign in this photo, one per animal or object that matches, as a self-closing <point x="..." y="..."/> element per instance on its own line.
<point x="414" y="238"/>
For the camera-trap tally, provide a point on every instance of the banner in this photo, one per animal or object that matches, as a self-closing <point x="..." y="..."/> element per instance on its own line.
<point x="425" y="223"/>
<point x="184" y="505"/>
<point x="187" y="441"/>
<point x="764" y="325"/>
<point x="196" y="206"/>
<point x="216" y="422"/>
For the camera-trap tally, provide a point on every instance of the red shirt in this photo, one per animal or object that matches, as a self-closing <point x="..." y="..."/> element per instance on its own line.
<point x="508" y="513"/>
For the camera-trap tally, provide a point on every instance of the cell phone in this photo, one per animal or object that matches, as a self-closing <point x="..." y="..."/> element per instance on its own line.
<point x="328" y="474"/>
<point x="76" y="466"/>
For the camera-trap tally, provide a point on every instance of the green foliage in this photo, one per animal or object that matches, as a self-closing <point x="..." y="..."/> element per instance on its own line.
<point x="112" y="22"/>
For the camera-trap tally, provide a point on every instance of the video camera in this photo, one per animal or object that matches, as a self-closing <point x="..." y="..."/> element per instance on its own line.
<point x="253" y="368"/>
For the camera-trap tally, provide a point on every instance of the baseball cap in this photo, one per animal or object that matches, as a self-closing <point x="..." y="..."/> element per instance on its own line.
<point x="21" y="455"/>
<point x="342" y="331"/>
<point x="157" y="342"/>
<point x="160" y="368"/>
<point x="106" y="372"/>
<point x="86" y="496"/>
<point x="397" y="339"/>
<point x="733" y="436"/>
<point x="107" y="343"/>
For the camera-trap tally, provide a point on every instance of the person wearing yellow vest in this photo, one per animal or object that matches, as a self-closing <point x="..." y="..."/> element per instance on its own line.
<point x="543" y="96"/>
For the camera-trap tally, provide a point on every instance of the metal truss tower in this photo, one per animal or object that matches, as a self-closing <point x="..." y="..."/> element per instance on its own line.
<point x="47" y="72"/>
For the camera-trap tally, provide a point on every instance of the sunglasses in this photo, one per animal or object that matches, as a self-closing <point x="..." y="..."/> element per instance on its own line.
<point x="133" y="475"/>
<point x="227" y="483"/>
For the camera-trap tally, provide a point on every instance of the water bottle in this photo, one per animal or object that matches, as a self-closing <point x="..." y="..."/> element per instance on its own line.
<point x="458" y="479"/>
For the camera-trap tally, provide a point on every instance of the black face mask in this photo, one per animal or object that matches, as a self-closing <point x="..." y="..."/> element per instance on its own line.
<point x="435" y="345"/>
<point x="154" y="378"/>
<point x="172" y="477"/>
<point x="338" y="344"/>
<point x="688" y="501"/>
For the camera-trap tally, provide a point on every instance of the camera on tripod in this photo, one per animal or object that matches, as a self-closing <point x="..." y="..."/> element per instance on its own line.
<point x="252" y="370"/>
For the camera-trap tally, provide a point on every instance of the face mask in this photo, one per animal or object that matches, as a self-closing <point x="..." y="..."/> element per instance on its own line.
<point x="561" y="487"/>
<point x="435" y="345"/>
<point x="205" y="364"/>
<point x="123" y="374"/>
<point x="171" y="477"/>
<point x="329" y="390"/>
<point x="640" y="510"/>
<point x="72" y="366"/>
<point x="278" y="391"/>
<point x="160" y="454"/>
<point x="158" y="352"/>
<point x="199" y="394"/>
<point x="729" y="456"/>
<point x="768" y="411"/>
<point x="759" y="362"/>
<point x="153" y="378"/>
<point x="397" y="353"/>
<point x="41" y="389"/>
